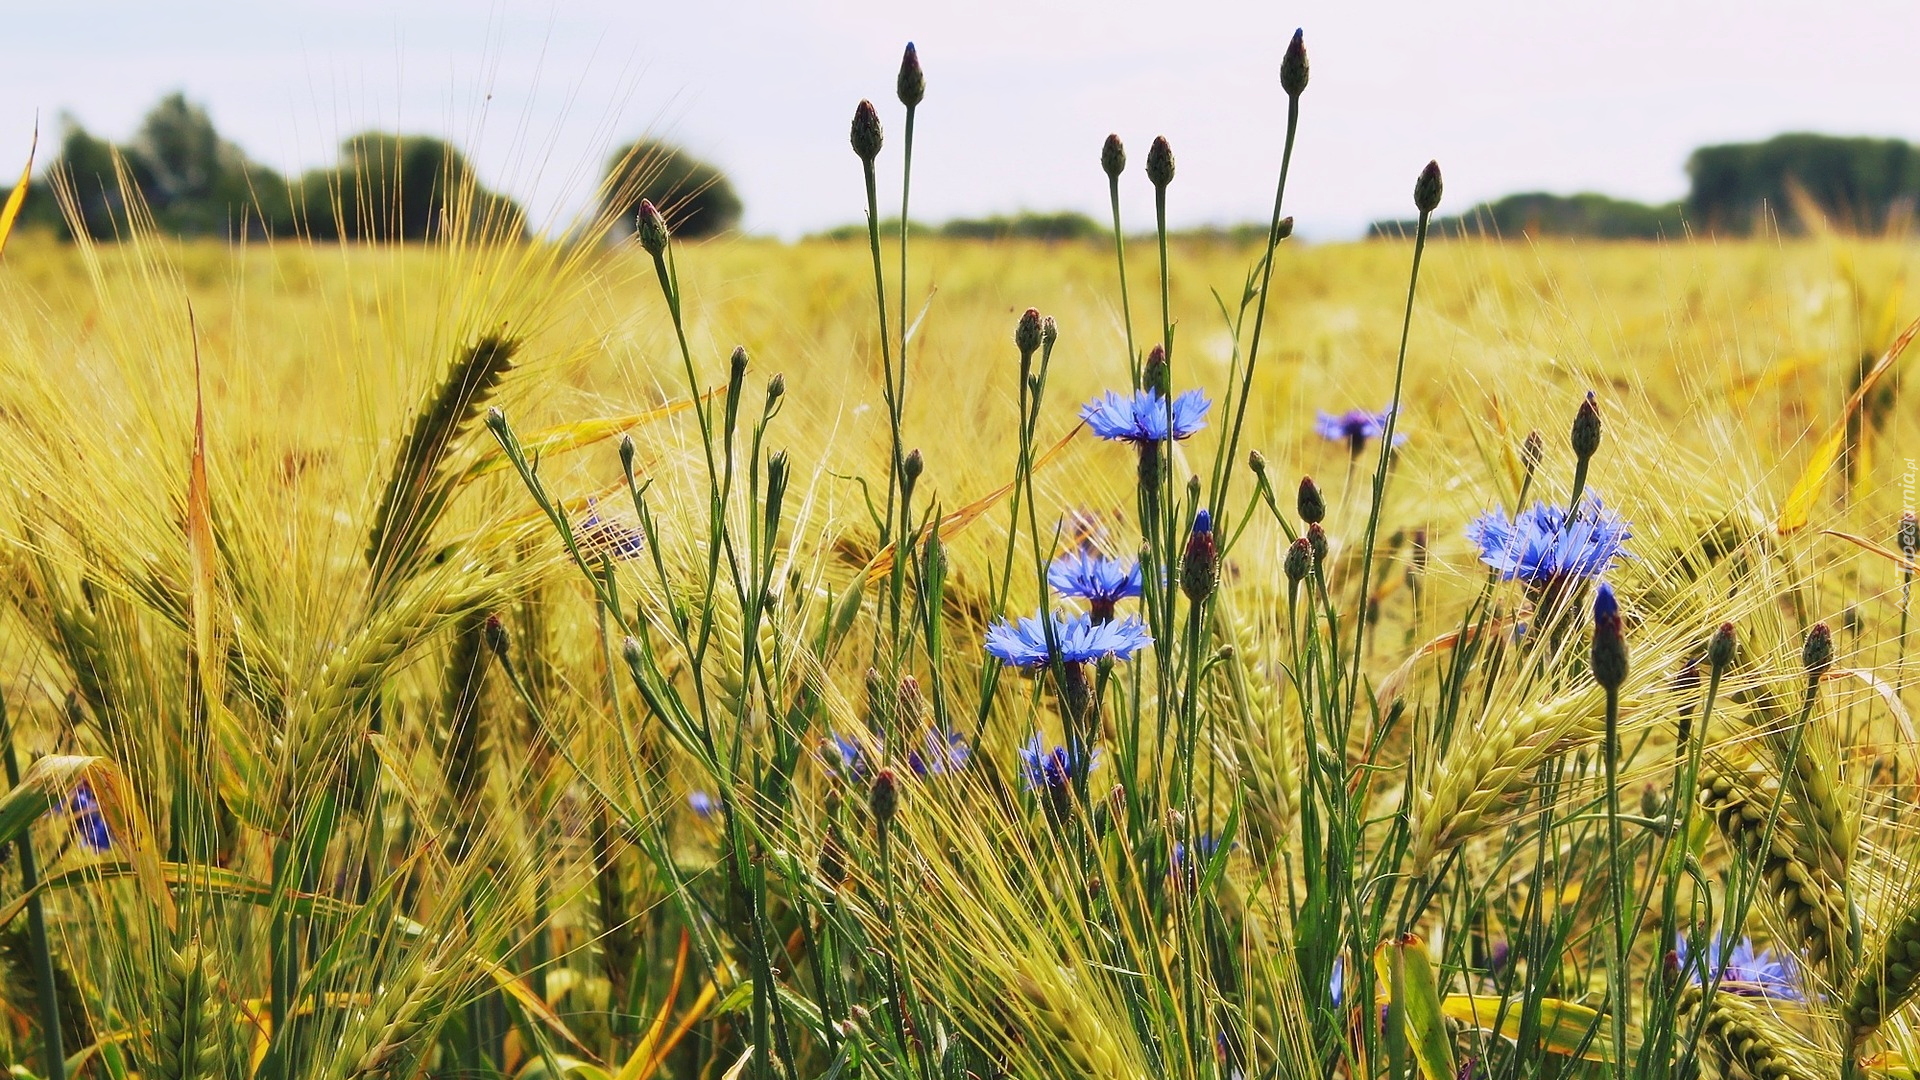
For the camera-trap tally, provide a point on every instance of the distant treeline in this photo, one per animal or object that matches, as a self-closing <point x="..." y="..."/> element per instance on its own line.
<point x="1065" y="225"/>
<point x="1859" y="184"/>
<point x="192" y="182"/>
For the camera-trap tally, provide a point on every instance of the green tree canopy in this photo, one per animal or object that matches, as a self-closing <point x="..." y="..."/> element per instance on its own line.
<point x="1855" y="182"/>
<point x="696" y="196"/>
<point x="402" y="187"/>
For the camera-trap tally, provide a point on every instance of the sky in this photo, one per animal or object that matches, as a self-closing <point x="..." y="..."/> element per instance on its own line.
<point x="1508" y="95"/>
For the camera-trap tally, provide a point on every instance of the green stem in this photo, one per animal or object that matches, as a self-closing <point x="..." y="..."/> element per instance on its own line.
<point x="55" y="1062"/>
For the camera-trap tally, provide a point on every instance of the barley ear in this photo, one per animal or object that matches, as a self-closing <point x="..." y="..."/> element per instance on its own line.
<point x="183" y="1041"/>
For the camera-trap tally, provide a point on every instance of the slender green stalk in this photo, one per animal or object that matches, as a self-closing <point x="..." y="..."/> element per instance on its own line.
<point x="53" y="1057"/>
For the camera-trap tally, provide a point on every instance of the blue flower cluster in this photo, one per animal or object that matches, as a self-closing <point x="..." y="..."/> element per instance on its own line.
<point x="89" y="823"/>
<point x="1545" y="543"/>
<point x="1355" y="426"/>
<point x="604" y="536"/>
<point x="940" y="753"/>
<point x="1050" y="768"/>
<point x="1142" y="417"/>
<point x="1747" y="971"/>
<point x="1080" y="640"/>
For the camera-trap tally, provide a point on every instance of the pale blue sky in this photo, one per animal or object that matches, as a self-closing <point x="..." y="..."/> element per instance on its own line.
<point x="1508" y="95"/>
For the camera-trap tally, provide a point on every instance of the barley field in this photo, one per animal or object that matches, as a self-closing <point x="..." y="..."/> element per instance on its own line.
<point x="658" y="659"/>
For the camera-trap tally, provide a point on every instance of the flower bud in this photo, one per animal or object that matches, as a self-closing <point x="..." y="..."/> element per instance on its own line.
<point x="630" y="652"/>
<point x="912" y="465"/>
<point x="1049" y="332"/>
<point x="1586" y="429"/>
<point x="878" y="713"/>
<point x="1153" y="374"/>
<point x="1200" y="567"/>
<point x="883" y="798"/>
<point x="776" y="389"/>
<point x="1283" y="229"/>
<point x="1311" y="504"/>
<point x="1720" y="649"/>
<point x="1427" y="189"/>
<point x="1908" y="536"/>
<point x="1160" y="162"/>
<point x="626" y="454"/>
<point x="1293" y="66"/>
<point x="1113" y="157"/>
<point x="496" y="420"/>
<point x="650" y="227"/>
<point x="912" y="84"/>
<point x="1317" y="542"/>
<point x="1817" y="654"/>
<point x="1257" y="462"/>
<point x="1531" y="452"/>
<point x="494" y="632"/>
<point x="1609" y="640"/>
<point x="1026" y="335"/>
<point x="1299" y="560"/>
<point x="737" y="365"/>
<point x="865" y="135"/>
<point x="911" y="703"/>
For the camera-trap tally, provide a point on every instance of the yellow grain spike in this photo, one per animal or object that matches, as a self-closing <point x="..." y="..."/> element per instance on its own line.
<point x="1797" y="511"/>
<point x="19" y="197"/>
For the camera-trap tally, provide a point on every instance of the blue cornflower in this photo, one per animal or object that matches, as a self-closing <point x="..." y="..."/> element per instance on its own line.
<point x="1050" y="769"/>
<point x="1747" y="972"/>
<point x="1141" y="417"/>
<point x="1543" y="544"/>
<point x="604" y="536"/>
<point x="856" y="763"/>
<point x="1102" y="582"/>
<point x="1355" y="426"/>
<point x="1080" y="640"/>
<point x="701" y="803"/>
<point x="1337" y="986"/>
<point x="1204" y="846"/>
<point x="89" y="823"/>
<point x="944" y="752"/>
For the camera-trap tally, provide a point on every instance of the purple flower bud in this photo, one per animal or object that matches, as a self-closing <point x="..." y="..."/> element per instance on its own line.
<point x="1609" y="640"/>
<point x="1586" y="429"/>
<point x="1113" y="157"/>
<point x="912" y="84"/>
<point x="1720" y="649"/>
<point x="1299" y="560"/>
<point x="1311" y="504"/>
<point x="1817" y="654"/>
<point x="1027" y="334"/>
<point x="1317" y="543"/>
<point x="884" y="799"/>
<point x="1427" y="189"/>
<point x="865" y="135"/>
<point x="1160" y="163"/>
<point x="1293" y="66"/>
<point x="1200" y="567"/>
<point x="650" y="228"/>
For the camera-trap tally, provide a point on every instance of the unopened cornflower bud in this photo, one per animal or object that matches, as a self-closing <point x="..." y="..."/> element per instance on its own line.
<point x="883" y="799"/>
<point x="1720" y="649"/>
<point x="1317" y="542"/>
<point x="1908" y="535"/>
<point x="1049" y="332"/>
<point x="1026" y="334"/>
<point x="1257" y="462"/>
<point x="1113" y="157"/>
<point x="1283" y="229"/>
<point x="1817" y="654"/>
<point x="630" y="651"/>
<point x="1160" y="162"/>
<point x="1531" y="451"/>
<point x="626" y="454"/>
<point x="1609" y="640"/>
<point x="1293" y="66"/>
<point x="865" y="134"/>
<point x="1427" y="189"/>
<point x="876" y="688"/>
<point x="650" y="228"/>
<point x="912" y="84"/>
<point x="1311" y="504"/>
<point x="912" y="465"/>
<point x="1585" y="437"/>
<point x="737" y="365"/>
<point x="1299" y="560"/>
<point x="494" y="632"/>
<point x="1153" y="374"/>
<point x="1200" y="566"/>
<point x="496" y="420"/>
<point x="911" y="703"/>
<point x="776" y="389"/>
